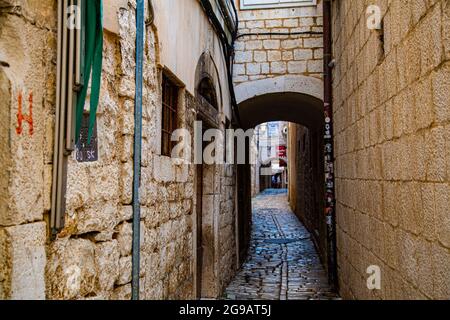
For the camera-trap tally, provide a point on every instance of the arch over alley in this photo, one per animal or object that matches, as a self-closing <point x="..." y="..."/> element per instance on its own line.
<point x="296" y="99"/>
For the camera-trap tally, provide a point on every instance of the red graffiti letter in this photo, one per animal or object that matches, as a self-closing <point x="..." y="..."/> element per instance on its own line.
<point x="23" y="117"/>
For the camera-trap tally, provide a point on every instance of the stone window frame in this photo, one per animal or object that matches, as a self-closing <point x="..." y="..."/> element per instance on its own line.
<point x="275" y="4"/>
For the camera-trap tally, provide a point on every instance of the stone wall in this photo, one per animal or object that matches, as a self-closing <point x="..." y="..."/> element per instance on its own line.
<point x="392" y="148"/>
<point x="300" y="171"/>
<point x="27" y="52"/>
<point x="266" y="56"/>
<point x="305" y="169"/>
<point x="255" y="166"/>
<point x="91" y="256"/>
<point x="227" y="227"/>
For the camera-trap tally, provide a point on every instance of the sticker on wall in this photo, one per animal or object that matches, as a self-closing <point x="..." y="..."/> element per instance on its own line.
<point x="87" y="152"/>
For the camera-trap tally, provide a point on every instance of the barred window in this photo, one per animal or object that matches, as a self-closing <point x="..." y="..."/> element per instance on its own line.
<point x="170" y="93"/>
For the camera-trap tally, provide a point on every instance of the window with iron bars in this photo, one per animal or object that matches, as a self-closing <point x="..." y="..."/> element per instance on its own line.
<point x="170" y="92"/>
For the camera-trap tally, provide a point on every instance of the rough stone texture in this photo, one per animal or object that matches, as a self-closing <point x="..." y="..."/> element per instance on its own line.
<point x="27" y="53"/>
<point x="5" y="92"/>
<point x="306" y="193"/>
<point x="71" y="270"/>
<point x="227" y="229"/>
<point x="392" y="132"/>
<point x="26" y="167"/>
<point x="91" y="257"/>
<point x="25" y="265"/>
<point x="268" y="56"/>
<point x="392" y="147"/>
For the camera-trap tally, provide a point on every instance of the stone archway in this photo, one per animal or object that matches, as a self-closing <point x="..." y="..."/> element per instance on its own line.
<point x="299" y="100"/>
<point x="290" y="83"/>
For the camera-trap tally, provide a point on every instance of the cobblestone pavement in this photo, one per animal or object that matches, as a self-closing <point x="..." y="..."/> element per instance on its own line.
<point x="282" y="263"/>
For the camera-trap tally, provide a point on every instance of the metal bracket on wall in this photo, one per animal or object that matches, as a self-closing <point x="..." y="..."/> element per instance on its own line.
<point x="70" y="77"/>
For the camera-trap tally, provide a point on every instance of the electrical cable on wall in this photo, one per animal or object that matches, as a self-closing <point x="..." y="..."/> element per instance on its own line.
<point x="93" y="65"/>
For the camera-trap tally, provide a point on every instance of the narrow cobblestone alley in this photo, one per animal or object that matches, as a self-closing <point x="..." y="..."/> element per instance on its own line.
<point x="282" y="262"/>
<point x="202" y="150"/>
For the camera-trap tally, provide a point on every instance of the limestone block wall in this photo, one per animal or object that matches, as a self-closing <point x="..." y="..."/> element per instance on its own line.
<point x="266" y="56"/>
<point x="300" y="173"/>
<point x="227" y="226"/>
<point x="255" y="166"/>
<point x="91" y="257"/>
<point x="27" y="52"/>
<point x="392" y="118"/>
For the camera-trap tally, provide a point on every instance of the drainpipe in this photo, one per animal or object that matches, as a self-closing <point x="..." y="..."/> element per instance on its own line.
<point x="140" y="8"/>
<point x="330" y="198"/>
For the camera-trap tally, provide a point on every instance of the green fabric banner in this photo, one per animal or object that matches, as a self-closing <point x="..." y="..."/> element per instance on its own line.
<point x="93" y="64"/>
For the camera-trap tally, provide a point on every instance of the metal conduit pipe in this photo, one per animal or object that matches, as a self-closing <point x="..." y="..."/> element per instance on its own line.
<point x="140" y="9"/>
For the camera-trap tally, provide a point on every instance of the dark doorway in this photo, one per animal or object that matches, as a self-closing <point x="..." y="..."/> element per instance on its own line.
<point x="244" y="214"/>
<point x="206" y="209"/>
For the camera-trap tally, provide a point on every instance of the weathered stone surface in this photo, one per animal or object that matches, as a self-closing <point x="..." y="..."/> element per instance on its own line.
<point x="254" y="54"/>
<point x="398" y="103"/>
<point x="25" y="167"/>
<point x="125" y="213"/>
<point x="125" y="266"/>
<point x="163" y="169"/>
<point x="41" y="12"/>
<point x="98" y="218"/>
<point x="5" y="266"/>
<point x="108" y="264"/>
<point x="111" y="12"/>
<point x="106" y="186"/>
<point x="71" y="270"/>
<point x="5" y="159"/>
<point x="125" y="238"/>
<point x="122" y="293"/>
<point x="24" y="247"/>
<point x="91" y="256"/>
